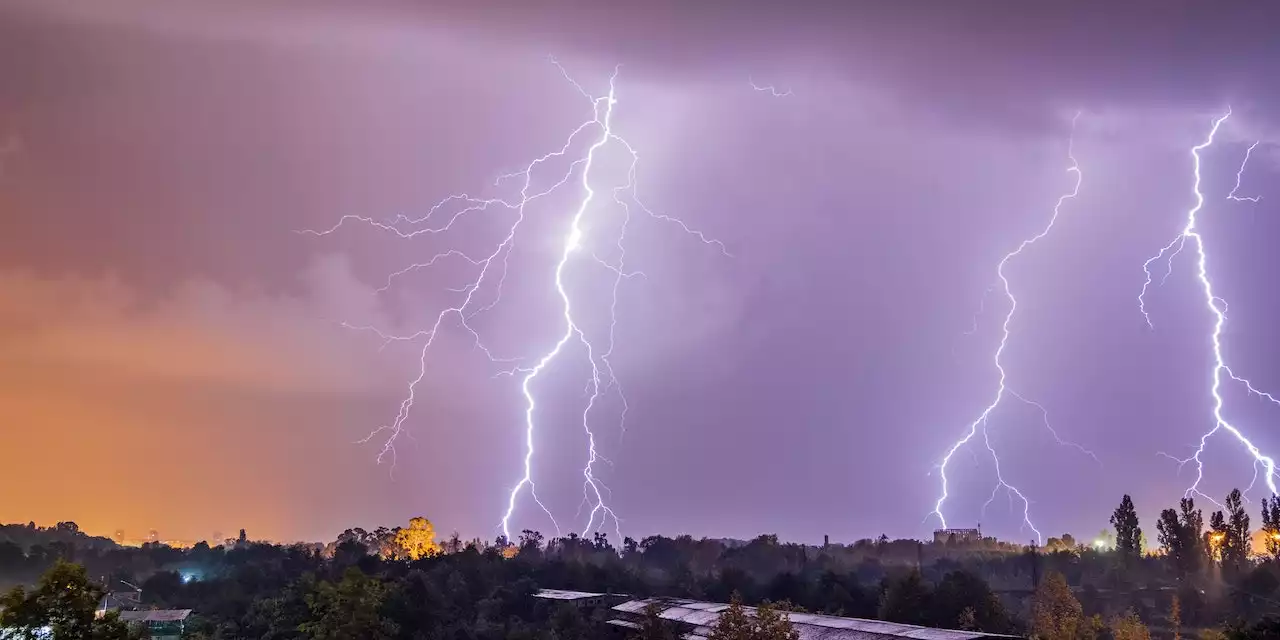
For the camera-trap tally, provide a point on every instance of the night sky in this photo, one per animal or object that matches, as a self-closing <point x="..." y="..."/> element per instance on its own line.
<point x="173" y="350"/>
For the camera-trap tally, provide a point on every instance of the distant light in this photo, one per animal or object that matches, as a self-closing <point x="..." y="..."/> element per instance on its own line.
<point x="1099" y="544"/>
<point x="188" y="577"/>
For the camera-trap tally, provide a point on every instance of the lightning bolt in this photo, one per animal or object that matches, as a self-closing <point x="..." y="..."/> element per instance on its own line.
<point x="1221" y="371"/>
<point x="979" y="425"/>
<point x="484" y="291"/>
<point x="1239" y="174"/>
<point x="770" y="89"/>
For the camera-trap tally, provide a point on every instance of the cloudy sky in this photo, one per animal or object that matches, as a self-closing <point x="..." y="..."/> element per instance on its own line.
<point x="177" y="356"/>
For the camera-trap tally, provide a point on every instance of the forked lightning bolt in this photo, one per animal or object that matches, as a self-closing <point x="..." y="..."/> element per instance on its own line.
<point x="1221" y="371"/>
<point x="979" y="425"/>
<point x="484" y="291"/>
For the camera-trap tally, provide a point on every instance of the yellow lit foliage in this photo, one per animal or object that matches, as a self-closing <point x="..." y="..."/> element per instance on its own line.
<point x="418" y="540"/>
<point x="1055" y="613"/>
<point x="1129" y="627"/>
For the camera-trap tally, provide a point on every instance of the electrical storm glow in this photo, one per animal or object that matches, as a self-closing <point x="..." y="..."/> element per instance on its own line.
<point x="582" y="146"/>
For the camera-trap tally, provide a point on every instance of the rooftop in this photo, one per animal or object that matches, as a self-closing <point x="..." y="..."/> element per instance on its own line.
<point x="155" y="615"/>
<point x="559" y="594"/>
<point x="812" y="626"/>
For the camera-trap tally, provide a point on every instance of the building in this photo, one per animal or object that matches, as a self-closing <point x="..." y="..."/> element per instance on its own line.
<point x="161" y="624"/>
<point x="694" y="620"/>
<point x="120" y="601"/>
<point x="949" y="536"/>
<point x="581" y="599"/>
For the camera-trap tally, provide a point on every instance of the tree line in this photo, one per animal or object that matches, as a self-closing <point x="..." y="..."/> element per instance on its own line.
<point x="404" y="583"/>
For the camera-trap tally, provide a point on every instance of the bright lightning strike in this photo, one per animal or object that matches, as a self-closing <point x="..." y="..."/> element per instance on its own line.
<point x="979" y="425"/>
<point x="1218" y="308"/>
<point x="490" y="276"/>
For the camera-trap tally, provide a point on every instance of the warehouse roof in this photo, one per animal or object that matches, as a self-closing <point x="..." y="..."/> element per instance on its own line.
<point x="703" y="615"/>
<point x="155" y="615"/>
<point x="560" y="594"/>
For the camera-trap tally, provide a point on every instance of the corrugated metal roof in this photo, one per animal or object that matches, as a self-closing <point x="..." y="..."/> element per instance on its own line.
<point x="155" y="615"/>
<point x="559" y="594"/>
<point x="812" y="626"/>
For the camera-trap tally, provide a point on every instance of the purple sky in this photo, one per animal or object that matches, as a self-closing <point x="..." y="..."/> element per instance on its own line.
<point x="168" y="330"/>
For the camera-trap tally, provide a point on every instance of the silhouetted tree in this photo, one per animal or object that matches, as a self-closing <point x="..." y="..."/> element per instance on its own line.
<point x="1233" y="547"/>
<point x="1192" y="520"/>
<point x="1271" y="525"/>
<point x="1265" y="629"/>
<point x="348" y="610"/>
<point x="65" y="603"/>
<point x="1180" y="534"/>
<point x="962" y="599"/>
<point x="907" y="600"/>
<point x="1128" y="533"/>
<point x="653" y="627"/>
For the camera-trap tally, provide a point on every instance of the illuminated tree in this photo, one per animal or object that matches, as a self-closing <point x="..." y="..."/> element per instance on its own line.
<point x="769" y="623"/>
<point x="419" y="540"/>
<point x="772" y="623"/>
<point x="1066" y="543"/>
<point x="733" y="623"/>
<point x="1129" y="627"/>
<point x="1055" y="613"/>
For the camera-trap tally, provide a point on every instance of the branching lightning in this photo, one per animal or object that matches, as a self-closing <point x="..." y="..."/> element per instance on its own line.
<point x="1221" y="371"/>
<point x="484" y="291"/>
<point x="979" y="425"/>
